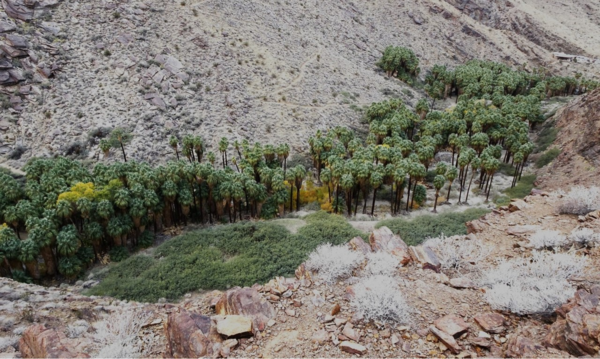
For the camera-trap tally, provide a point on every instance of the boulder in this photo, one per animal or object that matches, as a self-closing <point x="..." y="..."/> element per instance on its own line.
<point x="451" y="324"/>
<point x="352" y="348"/>
<point x="188" y="335"/>
<point x="248" y="302"/>
<point x="491" y="322"/>
<point x="383" y="239"/>
<point x="235" y="326"/>
<point x="447" y="339"/>
<point x="40" y="342"/>
<point x="426" y="257"/>
<point x="358" y="244"/>
<point x="578" y="328"/>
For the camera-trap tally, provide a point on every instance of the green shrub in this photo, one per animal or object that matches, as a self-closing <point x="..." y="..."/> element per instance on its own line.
<point x="220" y="257"/>
<point x="118" y="254"/>
<point x="547" y="157"/>
<point x="523" y="187"/>
<point x="415" y="231"/>
<point x="546" y="137"/>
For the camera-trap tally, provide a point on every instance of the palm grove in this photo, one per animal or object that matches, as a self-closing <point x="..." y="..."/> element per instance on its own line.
<point x="66" y="216"/>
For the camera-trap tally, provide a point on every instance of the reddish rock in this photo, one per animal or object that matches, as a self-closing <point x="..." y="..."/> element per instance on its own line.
<point x="335" y="309"/>
<point x="475" y="226"/>
<point x="578" y="329"/>
<point x="518" y="346"/>
<point x="480" y="342"/>
<point x="519" y="231"/>
<point x="246" y="301"/>
<point x="447" y="339"/>
<point x="451" y="324"/>
<point x="383" y="239"/>
<point x="491" y="322"/>
<point x="350" y="332"/>
<point x="39" y="342"/>
<point x="352" y="348"/>
<point x="188" y="335"/>
<point x="517" y="205"/>
<point x="358" y="244"/>
<point x="426" y="257"/>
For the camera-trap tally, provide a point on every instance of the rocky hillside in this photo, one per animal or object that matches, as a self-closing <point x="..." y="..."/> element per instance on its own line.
<point x="447" y="307"/>
<point x="266" y="70"/>
<point x="578" y="139"/>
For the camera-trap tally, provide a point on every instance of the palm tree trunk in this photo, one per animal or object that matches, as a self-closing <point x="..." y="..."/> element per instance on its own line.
<point x="412" y="202"/>
<point x="448" y="196"/>
<point x="298" y="197"/>
<point x="437" y="193"/>
<point x="490" y="187"/>
<point x="291" y="198"/>
<point x="408" y="195"/>
<point x="177" y="153"/>
<point x="123" y="150"/>
<point x="48" y="260"/>
<point x="365" y="195"/>
<point x="373" y="203"/>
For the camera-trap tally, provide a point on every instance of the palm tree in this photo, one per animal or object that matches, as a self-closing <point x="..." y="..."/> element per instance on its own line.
<point x="223" y="145"/>
<point x="299" y="174"/>
<point x="173" y="142"/>
<point x="438" y="183"/>
<point x="118" y="138"/>
<point x="283" y="151"/>
<point x="475" y="165"/>
<point x="451" y="176"/>
<point x="376" y="180"/>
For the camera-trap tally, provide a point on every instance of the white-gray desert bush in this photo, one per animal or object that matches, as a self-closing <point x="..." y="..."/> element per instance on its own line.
<point x="457" y="252"/>
<point x="584" y="236"/>
<point x="532" y="285"/>
<point x="580" y="200"/>
<point x="379" y="298"/>
<point x="381" y="263"/>
<point x="548" y="239"/>
<point x="117" y="336"/>
<point x="6" y="342"/>
<point x="333" y="262"/>
<point x="76" y="329"/>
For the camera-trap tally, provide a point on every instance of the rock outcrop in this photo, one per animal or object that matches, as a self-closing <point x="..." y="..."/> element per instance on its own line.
<point x="41" y="342"/>
<point x="577" y="329"/>
<point x="383" y="239"/>
<point x="246" y="302"/>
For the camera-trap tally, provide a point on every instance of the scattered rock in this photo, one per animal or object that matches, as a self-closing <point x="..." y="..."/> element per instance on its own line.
<point x="491" y="322"/>
<point x="426" y="257"/>
<point x="352" y="348"/>
<point x="451" y="324"/>
<point x="462" y="283"/>
<point x="518" y="346"/>
<point x="447" y="339"/>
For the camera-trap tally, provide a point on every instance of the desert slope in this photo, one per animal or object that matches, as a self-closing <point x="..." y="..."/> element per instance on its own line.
<point x="263" y="70"/>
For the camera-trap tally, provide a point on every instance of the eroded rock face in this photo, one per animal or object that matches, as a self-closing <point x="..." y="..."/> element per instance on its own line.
<point x="358" y="244"/>
<point x="247" y="302"/>
<point x="577" y="329"/>
<point x="188" y="335"/>
<point x="383" y="239"/>
<point x="40" y="342"/>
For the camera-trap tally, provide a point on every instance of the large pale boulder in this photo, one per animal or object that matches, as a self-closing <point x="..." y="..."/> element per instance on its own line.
<point x="235" y="326"/>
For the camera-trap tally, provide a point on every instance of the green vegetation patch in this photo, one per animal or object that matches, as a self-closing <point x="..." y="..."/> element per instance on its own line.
<point x="546" y="137"/>
<point x="547" y="157"/>
<point x="221" y="257"/>
<point x="522" y="189"/>
<point x="414" y="231"/>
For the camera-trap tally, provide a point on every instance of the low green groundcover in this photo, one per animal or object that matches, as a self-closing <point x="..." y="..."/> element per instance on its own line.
<point x="221" y="257"/>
